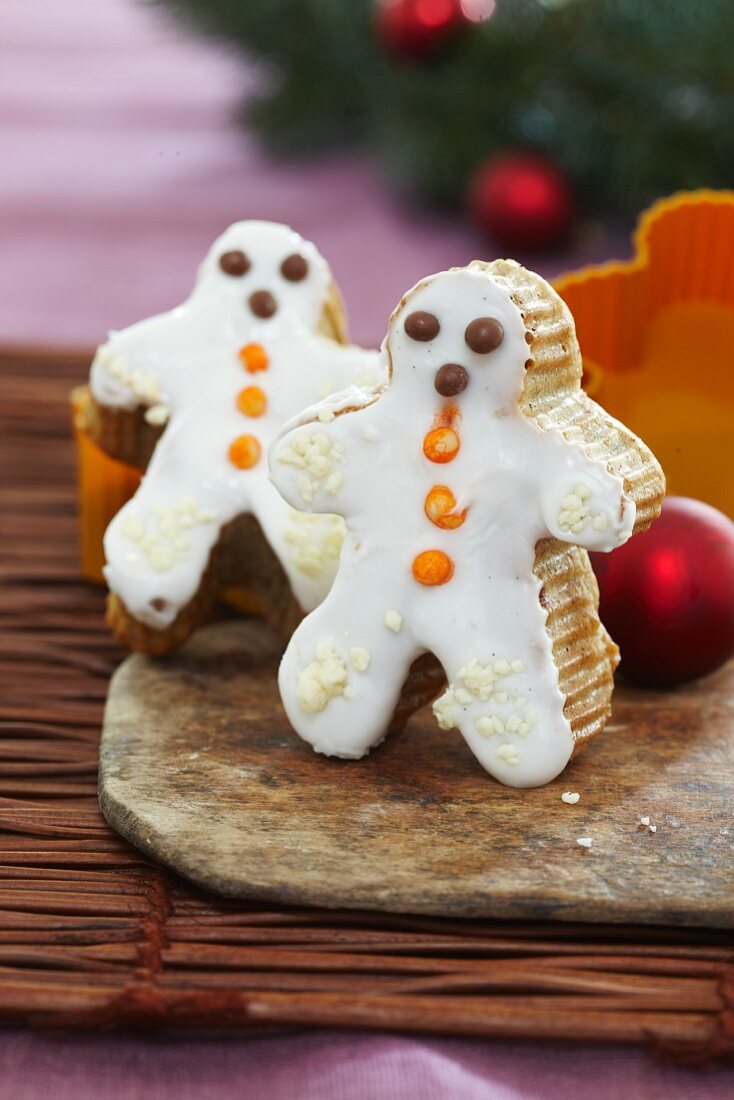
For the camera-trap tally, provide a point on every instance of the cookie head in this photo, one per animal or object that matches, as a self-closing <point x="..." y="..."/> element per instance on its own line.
<point x="460" y="335"/>
<point x="266" y="273"/>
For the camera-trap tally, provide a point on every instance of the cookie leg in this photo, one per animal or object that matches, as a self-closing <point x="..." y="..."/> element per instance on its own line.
<point x="307" y="546"/>
<point x="342" y="673"/>
<point x="159" y="549"/>
<point x="503" y="696"/>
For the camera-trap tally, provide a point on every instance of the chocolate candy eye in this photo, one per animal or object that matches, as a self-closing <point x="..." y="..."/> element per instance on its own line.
<point x="294" y="268"/>
<point x="422" y="326"/>
<point x="451" y="379"/>
<point x="484" y="335"/>
<point x="262" y="303"/>
<point x="234" y="263"/>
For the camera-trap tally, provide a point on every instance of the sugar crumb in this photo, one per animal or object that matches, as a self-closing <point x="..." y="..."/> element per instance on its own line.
<point x="570" y="797"/>
<point x="393" y="620"/>
<point x="584" y="841"/>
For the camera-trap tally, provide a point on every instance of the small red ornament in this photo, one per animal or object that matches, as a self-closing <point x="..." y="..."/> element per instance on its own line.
<point x="521" y="199"/>
<point x="417" y="28"/>
<point x="667" y="596"/>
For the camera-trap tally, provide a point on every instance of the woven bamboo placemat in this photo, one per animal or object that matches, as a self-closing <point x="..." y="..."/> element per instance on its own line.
<point x="92" y="934"/>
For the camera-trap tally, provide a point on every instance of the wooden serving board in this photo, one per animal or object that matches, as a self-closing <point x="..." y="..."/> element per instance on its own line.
<point x="200" y="769"/>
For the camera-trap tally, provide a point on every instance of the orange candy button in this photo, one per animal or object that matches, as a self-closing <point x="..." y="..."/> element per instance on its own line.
<point x="252" y="401"/>
<point x="441" y="445"/>
<point x="433" y="567"/>
<point x="440" y="504"/>
<point x="254" y="358"/>
<point x="244" y="452"/>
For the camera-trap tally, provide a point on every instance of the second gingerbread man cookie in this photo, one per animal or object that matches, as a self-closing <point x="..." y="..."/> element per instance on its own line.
<point x="468" y="484"/>
<point x="261" y="337"/>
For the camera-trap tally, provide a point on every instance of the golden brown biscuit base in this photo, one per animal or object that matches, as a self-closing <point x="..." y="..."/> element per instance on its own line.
<point x="584" y="653"/>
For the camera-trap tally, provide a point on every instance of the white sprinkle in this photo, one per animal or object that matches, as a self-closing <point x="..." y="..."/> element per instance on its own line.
<point x="161" y="559"/>
<point x="584" y="841"/>
<point x="360" y="658"/>
<point x="570" y="797"/>
<point x="157" y="414"/>
<point x="509" y="753"/>
<point x="393" y="620"/>
<point x="326" y="415"/>
<point x="132" y="528"/>
<point x="322" y="680"/>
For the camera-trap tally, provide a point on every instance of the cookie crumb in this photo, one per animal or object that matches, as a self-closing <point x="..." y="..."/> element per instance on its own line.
<point x="584" y="841"/>
<point x="570" y="797"/>
<point x="393" y="620"/>
<point x="322" y="680"/>
<point x="360" y="658"/>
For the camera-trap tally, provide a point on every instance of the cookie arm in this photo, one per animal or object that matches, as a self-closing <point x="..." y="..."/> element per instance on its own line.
<point x="316" y="460"/>
<point x="581" y="500"/>
<point x="141" y="365"/>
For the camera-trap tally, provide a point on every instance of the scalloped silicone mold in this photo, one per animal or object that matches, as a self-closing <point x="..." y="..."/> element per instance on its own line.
<point x="657" y="337"/>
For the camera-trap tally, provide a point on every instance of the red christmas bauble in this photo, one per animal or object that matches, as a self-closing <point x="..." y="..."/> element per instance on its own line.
<point x="521" y="199"/>
<point x="667" y="596"/>
<point x="417" y="28"/>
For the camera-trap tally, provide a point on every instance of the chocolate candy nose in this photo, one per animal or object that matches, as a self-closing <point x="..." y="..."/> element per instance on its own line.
<point x="451" y="379"/>
<point x="262" y="303"/>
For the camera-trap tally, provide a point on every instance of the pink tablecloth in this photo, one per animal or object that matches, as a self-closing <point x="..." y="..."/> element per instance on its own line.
<point x="118" y="164"/>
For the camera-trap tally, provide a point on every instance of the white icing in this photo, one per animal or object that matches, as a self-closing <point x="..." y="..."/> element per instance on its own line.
<point x="185" y="366"/>
<point x="511" y="482"/>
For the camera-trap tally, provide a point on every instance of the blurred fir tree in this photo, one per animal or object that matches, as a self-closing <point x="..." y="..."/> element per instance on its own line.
<point x="632" y="98"/>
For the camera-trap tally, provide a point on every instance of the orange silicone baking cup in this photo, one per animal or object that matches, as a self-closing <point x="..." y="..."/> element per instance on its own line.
<point x="657" y="338"/>
<point x="104" y="486"/>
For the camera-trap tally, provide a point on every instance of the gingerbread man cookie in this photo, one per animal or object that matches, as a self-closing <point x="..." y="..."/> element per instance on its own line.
<point x="260" y="338"/>
<point x="468" y="483"/>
